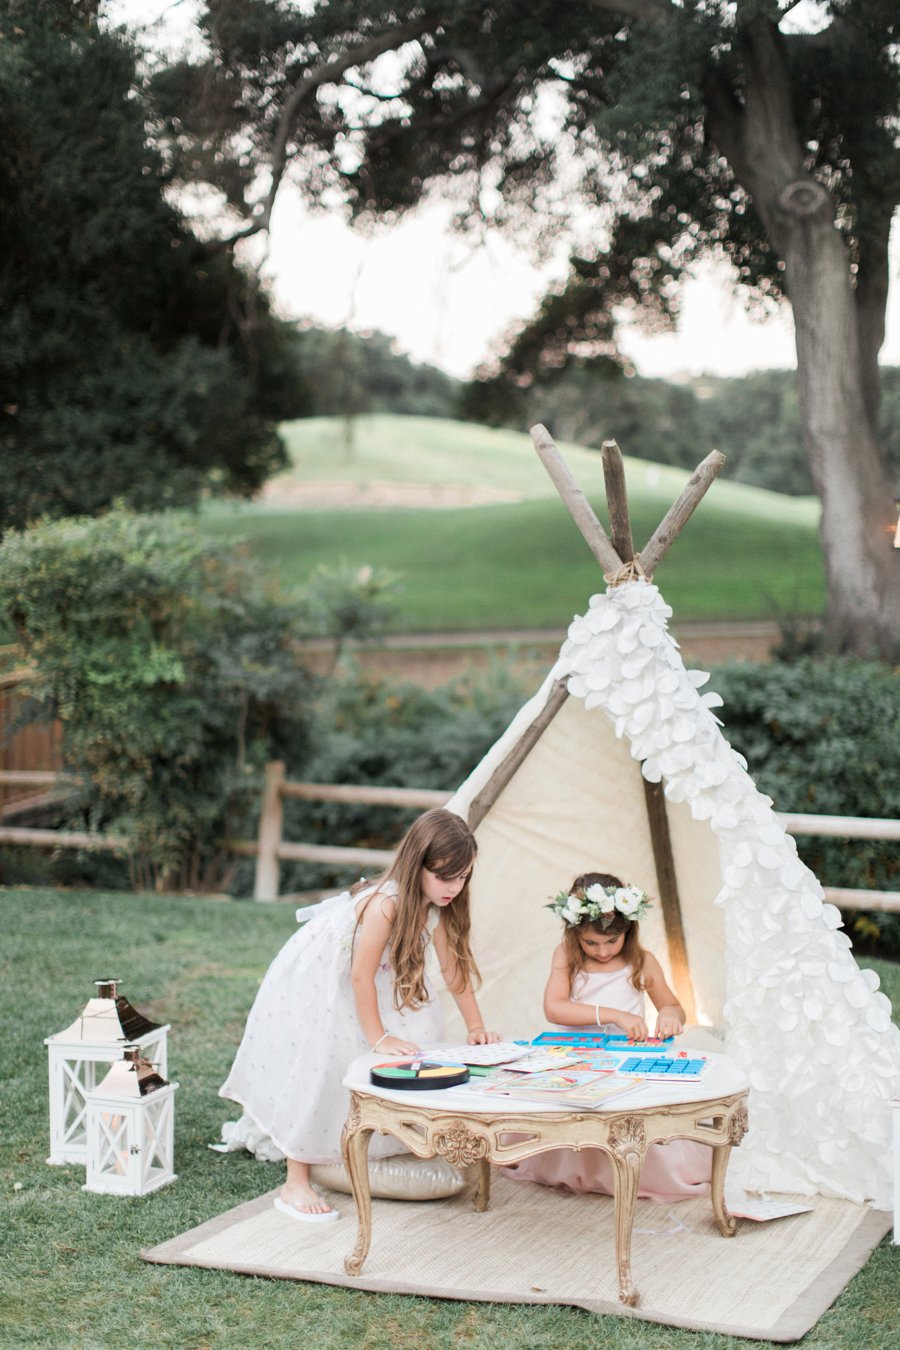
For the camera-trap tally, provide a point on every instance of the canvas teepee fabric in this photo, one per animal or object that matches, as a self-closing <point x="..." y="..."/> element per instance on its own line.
<point x="771" y="971"/>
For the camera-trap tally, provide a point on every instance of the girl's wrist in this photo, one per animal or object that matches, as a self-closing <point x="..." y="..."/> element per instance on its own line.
<point x="383" y="1037"/>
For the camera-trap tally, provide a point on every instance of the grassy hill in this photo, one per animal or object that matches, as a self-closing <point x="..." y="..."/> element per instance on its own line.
<point x="517" y="560"/>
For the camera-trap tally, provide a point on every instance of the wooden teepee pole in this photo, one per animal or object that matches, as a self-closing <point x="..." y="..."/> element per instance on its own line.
<point x="617" y="500"/>
<point x="597" y="541"/>
<point x="672" y="523"/>
<point x="669" y="898"/>
<point x="504" y="771"/>
<point x="654" y="798"/>
<point x="580" y="508"/>
<point x="611" y="554"/>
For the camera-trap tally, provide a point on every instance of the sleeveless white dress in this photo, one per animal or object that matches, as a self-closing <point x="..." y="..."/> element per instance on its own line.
<point x="674" y="1171"/>
<point x="303" y="1031"/>
<point x="607" y="989"/>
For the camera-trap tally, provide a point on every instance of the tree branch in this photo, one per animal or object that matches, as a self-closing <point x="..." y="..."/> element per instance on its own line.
<point x="758" y="136"/>
<point x="724" y="122"/>
<point x="655" y="12"/>
<point x="443" y="121"/>
<point x="374" y="93"/>
<point x="464" y="59"/>
<point x="329" y="72"/>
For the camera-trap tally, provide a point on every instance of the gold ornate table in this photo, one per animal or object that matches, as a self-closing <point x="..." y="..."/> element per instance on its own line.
<point x="465" y="1128"/>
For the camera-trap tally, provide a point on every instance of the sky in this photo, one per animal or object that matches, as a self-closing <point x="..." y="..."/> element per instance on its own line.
<point x="448" y="303"/>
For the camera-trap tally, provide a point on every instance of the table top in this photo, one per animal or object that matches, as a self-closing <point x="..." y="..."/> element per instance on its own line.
<point x="722" y="1078"/>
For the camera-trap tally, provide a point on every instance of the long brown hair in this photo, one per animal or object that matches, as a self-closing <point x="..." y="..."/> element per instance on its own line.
<point x="443" y="843"/>
<point x="632" y="950"/>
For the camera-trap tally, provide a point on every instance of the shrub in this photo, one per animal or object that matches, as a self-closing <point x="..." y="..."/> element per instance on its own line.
<point x="170" y="666"/>
<point x="376" y="731"/>
<point x="821" y="736"/>
<point x="344" y="603"/>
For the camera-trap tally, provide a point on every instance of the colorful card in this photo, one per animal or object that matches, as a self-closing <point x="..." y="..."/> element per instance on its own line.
<point x="762" y="1210"/>
<point x="568" y="1088"/>
<point x="537" y="1061"/>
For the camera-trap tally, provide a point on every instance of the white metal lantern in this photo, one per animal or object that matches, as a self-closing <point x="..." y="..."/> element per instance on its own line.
<point x="130" y="1129"/>
<point x="83" y="1052"/>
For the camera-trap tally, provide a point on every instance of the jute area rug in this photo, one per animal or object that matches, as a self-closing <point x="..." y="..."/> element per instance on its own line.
<point x="771" y="1281"/>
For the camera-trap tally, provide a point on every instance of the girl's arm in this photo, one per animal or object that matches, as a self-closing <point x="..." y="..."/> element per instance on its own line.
<point x="464" y="998"/>
<point x="560" y="1007"/>
<point x="371" y="939"/>
<point x="670" y="1016"/>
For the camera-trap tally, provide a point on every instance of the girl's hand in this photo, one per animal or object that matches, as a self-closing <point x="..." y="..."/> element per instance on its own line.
<point x="668" y="1023"/>
<point x="478" y="1036"/>
<point x="395" y="1045"/>
<point x="635" y="1028"/>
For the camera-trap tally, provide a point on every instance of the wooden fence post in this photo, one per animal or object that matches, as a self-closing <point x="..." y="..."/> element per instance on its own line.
<point x="270" y="818"/>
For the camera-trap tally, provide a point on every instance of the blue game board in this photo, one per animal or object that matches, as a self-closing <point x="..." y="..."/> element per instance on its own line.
<point x="663" y="1066"/>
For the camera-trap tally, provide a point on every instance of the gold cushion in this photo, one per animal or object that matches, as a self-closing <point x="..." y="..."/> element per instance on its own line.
<point x="401" y="1177"/>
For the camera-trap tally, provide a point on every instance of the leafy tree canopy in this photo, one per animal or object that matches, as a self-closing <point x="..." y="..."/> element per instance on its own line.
<point x="350" y="373"/>
<point x="134" y="364"/>
<point x="662" y="130"/>
<point x="611" y="99"/>
<point x="170" y="664"/>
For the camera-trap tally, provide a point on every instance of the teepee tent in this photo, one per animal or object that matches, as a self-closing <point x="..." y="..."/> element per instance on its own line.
<point x="618" y="764"/>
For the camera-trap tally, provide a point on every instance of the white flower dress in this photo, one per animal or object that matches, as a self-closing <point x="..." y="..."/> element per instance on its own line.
<point x="303" y="1031"/>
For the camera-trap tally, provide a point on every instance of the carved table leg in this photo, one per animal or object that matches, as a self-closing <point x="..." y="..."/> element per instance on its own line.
<point x="627" y="1142"/>
<point x="355" y="1148"/>
<point x="483" y="1185"/>
<point x="726" y="1222"/>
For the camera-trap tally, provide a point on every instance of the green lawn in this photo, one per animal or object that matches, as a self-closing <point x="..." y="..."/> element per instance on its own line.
<point x="72" y="1276"/>
<point x="746" y="553"/>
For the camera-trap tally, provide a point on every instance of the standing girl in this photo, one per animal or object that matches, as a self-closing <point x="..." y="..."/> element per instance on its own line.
<point x="355" y="977"/>
<point x="599" y="976"/>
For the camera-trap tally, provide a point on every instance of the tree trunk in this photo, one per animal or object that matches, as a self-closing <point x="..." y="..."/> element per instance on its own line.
<point x="848" y="465"/>
<point x="846" y="460"/>
<point x="873" y="280"/>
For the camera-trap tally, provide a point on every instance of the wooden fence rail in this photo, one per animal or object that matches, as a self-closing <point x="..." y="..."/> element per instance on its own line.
<point x="93" y="843"/>
<point x="270" y="848"/>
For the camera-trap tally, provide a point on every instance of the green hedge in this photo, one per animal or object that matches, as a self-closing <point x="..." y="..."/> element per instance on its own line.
<point x="823" y="736"/>
<point x="170" y="664"/>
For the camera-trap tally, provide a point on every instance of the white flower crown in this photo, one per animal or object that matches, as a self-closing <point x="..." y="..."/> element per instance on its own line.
<point x="600" y="905"/>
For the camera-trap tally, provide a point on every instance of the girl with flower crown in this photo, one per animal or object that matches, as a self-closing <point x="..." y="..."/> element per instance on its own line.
<point x="600" y="972"/>
<point x="599" y="977"/>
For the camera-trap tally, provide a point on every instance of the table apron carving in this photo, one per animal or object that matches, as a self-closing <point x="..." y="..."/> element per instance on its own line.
<point x="470" y="1137"/>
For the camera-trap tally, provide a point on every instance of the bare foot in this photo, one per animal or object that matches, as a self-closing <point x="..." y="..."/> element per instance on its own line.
<point x="304" y="1198"/>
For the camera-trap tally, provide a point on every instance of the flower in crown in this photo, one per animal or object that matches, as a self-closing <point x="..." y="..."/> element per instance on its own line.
<point x="600" y="904"/>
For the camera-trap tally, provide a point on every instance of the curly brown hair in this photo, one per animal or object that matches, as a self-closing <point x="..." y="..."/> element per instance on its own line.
<point x="443" y="843"/>
<point x="618" y="923"/>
